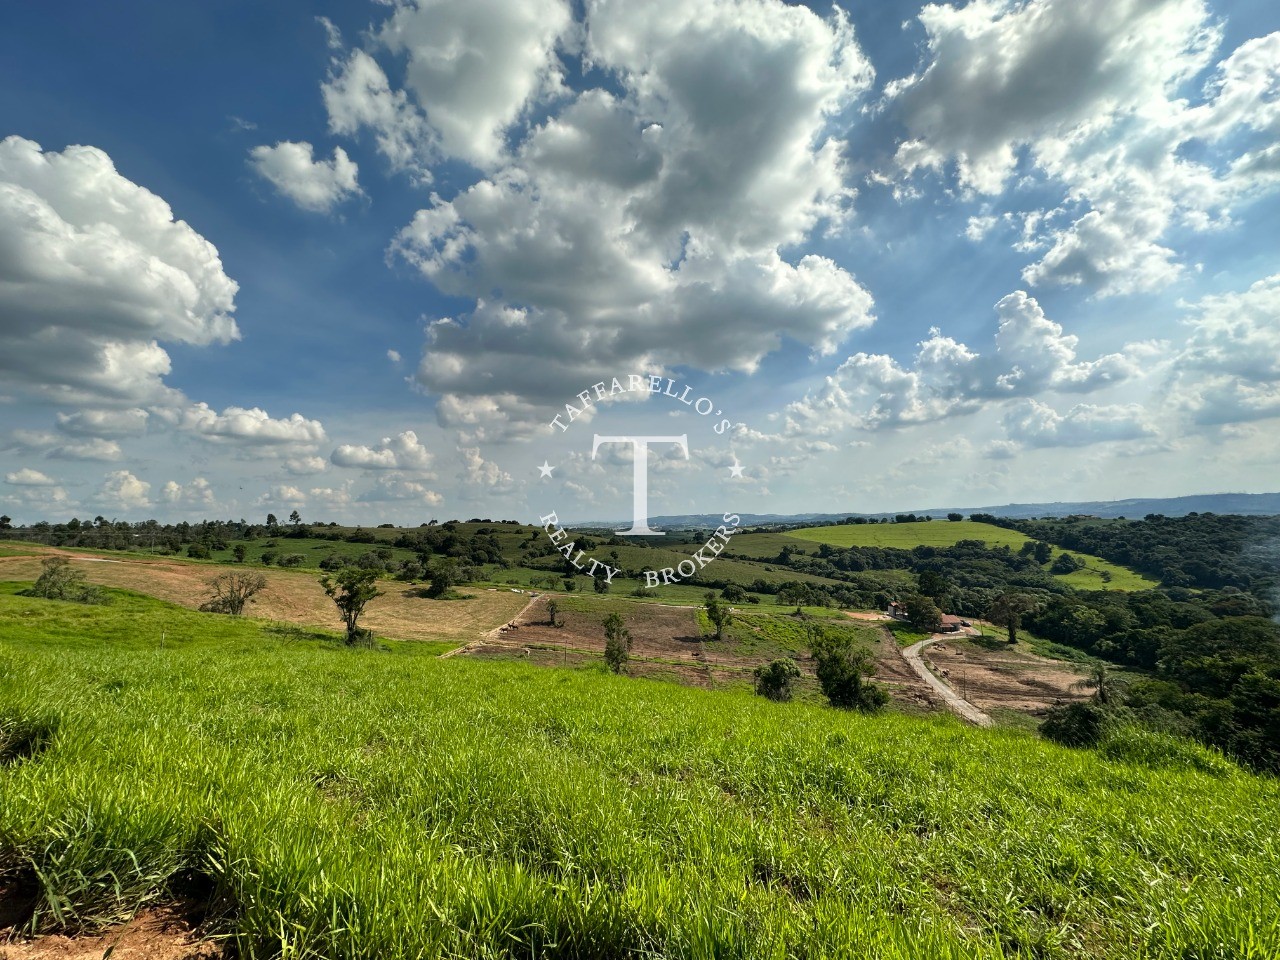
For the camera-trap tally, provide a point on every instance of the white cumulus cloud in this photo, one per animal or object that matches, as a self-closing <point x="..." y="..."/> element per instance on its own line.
<point x="316" y="185"/>
<point x="26" y="477"/>
<point x="95" y="272"/>
<point x="401" y="452"/>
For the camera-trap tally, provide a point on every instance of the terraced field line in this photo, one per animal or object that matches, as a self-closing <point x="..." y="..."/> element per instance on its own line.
<point x="955" y="703"/>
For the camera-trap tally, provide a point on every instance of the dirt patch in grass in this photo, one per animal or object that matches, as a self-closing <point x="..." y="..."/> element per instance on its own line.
<point x="156" y="933"/>
<point x="1003" y="679"/>
<point x="293" y="597"/>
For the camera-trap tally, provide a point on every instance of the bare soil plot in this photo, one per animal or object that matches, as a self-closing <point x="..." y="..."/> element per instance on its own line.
<point x="291" y="597"/>
<point x="1003" y="678"/>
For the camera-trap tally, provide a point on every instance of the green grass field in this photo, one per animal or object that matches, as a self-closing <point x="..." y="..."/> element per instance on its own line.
<point x="944" y="533"/>
<point x="388" y="804"/>
<point x="904" y="536"/>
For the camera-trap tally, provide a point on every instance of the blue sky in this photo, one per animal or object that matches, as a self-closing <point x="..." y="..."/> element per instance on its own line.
<point x="351" y="258"/>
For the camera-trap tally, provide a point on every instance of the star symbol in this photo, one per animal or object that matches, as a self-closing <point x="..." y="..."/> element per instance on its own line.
<point x="736" y="469"/>
<point x="545" y="469"/>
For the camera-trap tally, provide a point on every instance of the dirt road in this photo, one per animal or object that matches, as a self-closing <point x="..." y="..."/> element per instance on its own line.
<point x="954" y="702"/>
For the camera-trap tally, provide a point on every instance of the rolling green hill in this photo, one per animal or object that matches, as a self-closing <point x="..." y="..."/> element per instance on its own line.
<point x="936" y="533"/>
<point x="387" y="803"/>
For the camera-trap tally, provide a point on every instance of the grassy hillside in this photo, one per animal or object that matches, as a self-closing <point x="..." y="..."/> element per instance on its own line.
<point x="391" y="804"/>
<point x="904" y="536"/>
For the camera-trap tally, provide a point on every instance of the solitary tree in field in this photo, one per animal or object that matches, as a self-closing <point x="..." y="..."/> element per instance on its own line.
<point x="271" y="520"/>
<point x="239" y="551"/>
<point x="1007" y="610"/>
<point x="552" y="609"/>
<point x="350" y="589"/>
<point x="295" y="518"/>
<point x="719" y="614"/>
<point x="617" y="643"/>
<point x="443" y="577"/>
<point x="843" y="666"/>
<point x="229" y="592"/>
<point x="6" y="523"/>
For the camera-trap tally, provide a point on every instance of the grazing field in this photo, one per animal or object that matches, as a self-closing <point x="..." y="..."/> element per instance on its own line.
<point x="944" y="533"/>
<point x="904" y="536"/>
<point x="333" y="802"/>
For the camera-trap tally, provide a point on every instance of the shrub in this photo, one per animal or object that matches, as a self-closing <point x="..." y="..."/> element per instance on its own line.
<point x="198" y="551"/>
<point x="843" y="667"/>
<point x="291" y="560"/>
<point x="1075" y="725"/>
<point x="776" y="680"/>
<point x="617" y="643"/>
<point x="58" y="580"/>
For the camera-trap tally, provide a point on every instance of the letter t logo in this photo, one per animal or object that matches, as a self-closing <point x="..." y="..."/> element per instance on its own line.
<point x="640" y="477"/>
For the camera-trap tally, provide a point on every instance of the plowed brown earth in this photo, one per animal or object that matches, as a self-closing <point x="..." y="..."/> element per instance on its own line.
<point x="160" y="933"/>
<point x="291" y="596"/>
<point x="994" y="678"/>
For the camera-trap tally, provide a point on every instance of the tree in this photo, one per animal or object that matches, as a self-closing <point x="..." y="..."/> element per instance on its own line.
<point x="295" y="518"/>
<point x="1007" y="610"/>
<point x="955" y="517"/>
<point x="229" y="592"/>
<point x="59" y="580"/>
<point x="1065" y="563"/>
<point x="843" y="667"/>
<point x="719" y="614"/>
<point x="599" y="582"/>
<point x="239" y="552"/>
<point x="443" y="577"/>
<point x="734" y="593"/>
<point x="6" y="523"/>
<point x="1043" y="551"/>
<point x="934" y="584"/>
<point x="272" y="521"/>
<point x="775" y="680"/>
<point x="553" y="608"/>
<point x="1106" y="688"/>
<point x="923" y="614"/>
<point x="793" y="593"/>
<point x="350" y="590"/>
<point x="617" y="643"/>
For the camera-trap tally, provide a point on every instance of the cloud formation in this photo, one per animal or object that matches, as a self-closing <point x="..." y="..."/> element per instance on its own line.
<point x="648" y="219"/>
<point x="95" y="272"/>
<point x="315" y="185"/>
<point x="401" y="452"/>
<point x="1089" y="96"/>
<point x="1032" y="355"/>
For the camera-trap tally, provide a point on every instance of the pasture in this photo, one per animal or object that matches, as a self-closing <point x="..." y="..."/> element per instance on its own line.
<point x="327" y="801"/>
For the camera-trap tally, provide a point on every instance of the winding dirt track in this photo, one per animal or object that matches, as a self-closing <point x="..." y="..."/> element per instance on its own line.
<point x="954" y="702"/>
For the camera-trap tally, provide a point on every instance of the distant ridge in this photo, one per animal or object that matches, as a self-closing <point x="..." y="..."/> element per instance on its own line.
<point x="1258" y="504"/>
